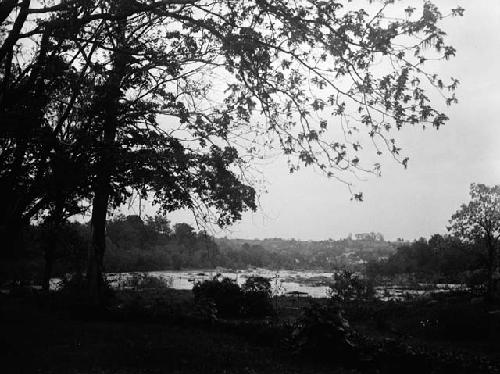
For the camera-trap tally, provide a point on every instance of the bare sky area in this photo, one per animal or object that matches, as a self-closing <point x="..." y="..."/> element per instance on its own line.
<point x="402" y="203"/>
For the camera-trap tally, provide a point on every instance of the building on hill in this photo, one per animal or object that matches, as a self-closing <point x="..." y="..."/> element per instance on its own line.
<point x="372" y="236"/>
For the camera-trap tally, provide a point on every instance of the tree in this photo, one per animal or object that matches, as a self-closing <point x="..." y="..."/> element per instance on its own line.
<point x="479" y="221"/>
<point x="184" y="233"/>
<point x="160" y="225"/>
<point x="440" y="259"/>
<point x="43" y="170"/>
<point x="171" y="98"/>
<point x="257" y="284"/>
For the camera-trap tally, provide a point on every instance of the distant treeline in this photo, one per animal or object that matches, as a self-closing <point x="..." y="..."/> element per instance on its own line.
<point x="153" y="243"/>
<point x="441" y="258"/>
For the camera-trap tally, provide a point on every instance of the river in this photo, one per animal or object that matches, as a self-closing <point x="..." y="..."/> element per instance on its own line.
<point x="283" y="282"/>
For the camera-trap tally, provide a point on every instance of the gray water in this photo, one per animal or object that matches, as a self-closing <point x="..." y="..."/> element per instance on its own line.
<point x="310" y="283"/>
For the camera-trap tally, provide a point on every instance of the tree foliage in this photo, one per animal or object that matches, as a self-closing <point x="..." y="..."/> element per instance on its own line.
<point x="479" y="221"/>
<point x="439" y="259"/>
<point x="173" y="98"/>
<point x="348" y="286"/>
<point x="289" y="71"/>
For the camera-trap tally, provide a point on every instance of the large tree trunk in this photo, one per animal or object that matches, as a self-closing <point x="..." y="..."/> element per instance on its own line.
<point x="95" y="268"/>
<point x="106" y="166"/>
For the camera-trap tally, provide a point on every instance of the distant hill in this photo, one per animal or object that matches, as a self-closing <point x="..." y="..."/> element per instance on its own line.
<point x="324" y="254"/>
<point x="152" y="243"/>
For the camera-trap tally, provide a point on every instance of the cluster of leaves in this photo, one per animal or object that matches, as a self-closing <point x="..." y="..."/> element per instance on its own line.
<point x="479" y="220"/>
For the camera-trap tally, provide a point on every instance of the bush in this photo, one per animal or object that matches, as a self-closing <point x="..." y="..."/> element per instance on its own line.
<point x="230" y="301"/>
<point x="144" y="281"/>
<point x="323" y="333"/>
<point x="257" y="284"/>
<point x="225" y="294"/>
<point x="73" y="295"/>
<point x="348" y="286"/>
<point x="206" y="310"/>
<point x="257" y="297"/>
<point x="476" y="280"/>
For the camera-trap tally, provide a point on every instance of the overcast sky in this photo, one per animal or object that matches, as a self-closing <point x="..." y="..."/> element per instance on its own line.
<point x="403" y="203"/>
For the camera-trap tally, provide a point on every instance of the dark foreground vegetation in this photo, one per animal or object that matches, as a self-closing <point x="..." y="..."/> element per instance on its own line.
<point x="222" y="328"/>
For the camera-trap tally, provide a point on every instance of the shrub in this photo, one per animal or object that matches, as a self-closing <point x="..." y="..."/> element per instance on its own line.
<point x="476" y="280"/>
<point x="348" y="286"/>
<point x="206" y="310"/>
<point x="230" y="301"/>
<point x="225" y="294"/>
<point x="257" y="284"/>
<point x="322" y="332"/>
<point x="144" y="281"/>
<point x="73" y="294"/>
<point x="257" y="297"/>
